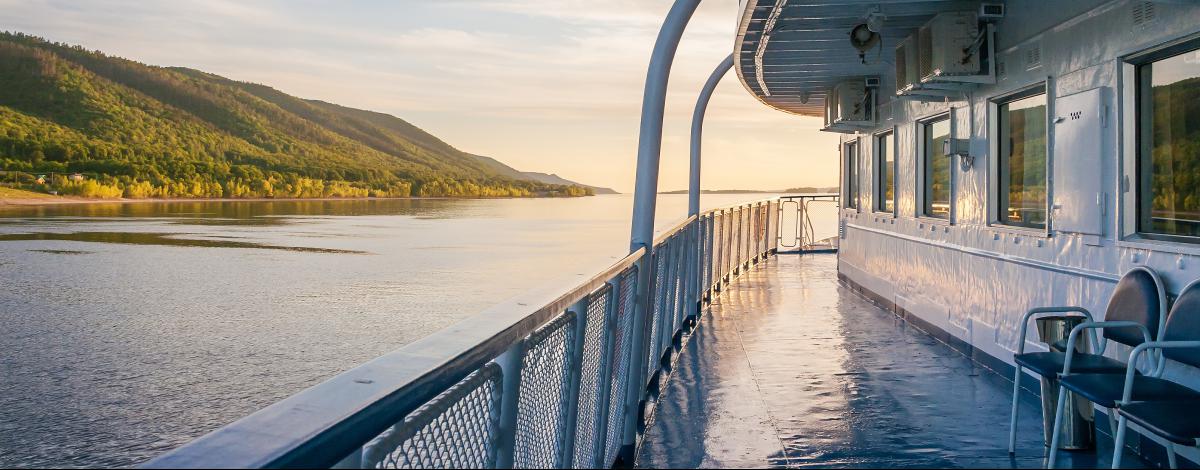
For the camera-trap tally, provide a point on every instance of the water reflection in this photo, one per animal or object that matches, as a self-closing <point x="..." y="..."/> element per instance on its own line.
<point x="165" y="239"/>
<point x="132" y="328"/>
<point x="253" y="212"/>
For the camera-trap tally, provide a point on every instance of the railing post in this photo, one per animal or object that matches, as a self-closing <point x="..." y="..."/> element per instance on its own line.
<point x="510" y="366"/>
<point x="711" y="223"/>
<point x="604" y="386"/>
<point x="654" y="102"/>
<point x="575" y="376"/>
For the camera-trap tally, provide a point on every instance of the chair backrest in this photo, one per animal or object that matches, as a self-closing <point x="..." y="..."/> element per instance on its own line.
<point x="1139" y="297"/>
<point x="1183" y="324"/>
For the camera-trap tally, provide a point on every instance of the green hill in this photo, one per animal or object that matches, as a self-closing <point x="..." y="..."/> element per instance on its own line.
<point x="137" y="131"/>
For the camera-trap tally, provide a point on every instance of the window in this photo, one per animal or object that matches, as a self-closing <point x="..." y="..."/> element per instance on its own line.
<point x="937" y="168"/>
<point x="1021" y="161"/>
<point x="885" y="174"/>
<point x="851" y="171"/>
<point x="1168" y="94"/>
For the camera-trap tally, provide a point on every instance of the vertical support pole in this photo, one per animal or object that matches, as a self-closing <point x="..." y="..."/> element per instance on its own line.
<point x="711" y="224"/>
<point x="604" y="387"/>
<point x="510" y="367"/>
<point x="777" y="213"/>
<point x="654" y="102"/>
<point x="575" y="370"/>
<point x="693" y="297"/>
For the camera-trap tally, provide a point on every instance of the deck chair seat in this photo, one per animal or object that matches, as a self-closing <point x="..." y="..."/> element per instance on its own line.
<point x="1106" y="389"/>
<point x="1050" y="364"/>
<point x="1176" y="421"/>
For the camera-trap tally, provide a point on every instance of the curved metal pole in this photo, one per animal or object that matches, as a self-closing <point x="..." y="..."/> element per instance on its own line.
<point x="654" y="101"/>
<point x="698" y="129"/>
<point x="693" y="278"/>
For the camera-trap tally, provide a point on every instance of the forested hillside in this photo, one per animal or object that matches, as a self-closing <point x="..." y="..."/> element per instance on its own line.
<point x="133" y="130"/>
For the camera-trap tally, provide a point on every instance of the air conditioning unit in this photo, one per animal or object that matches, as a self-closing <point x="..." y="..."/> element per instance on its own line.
<point x="949" y="45"/>
<point x="849" y="107"/>
<point x="851" y="99"/>
<point x="906" y="64"/>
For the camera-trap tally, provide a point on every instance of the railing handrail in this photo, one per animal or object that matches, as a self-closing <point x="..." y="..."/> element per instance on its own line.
<point x="322" y="424"/>
<point x="674" y="229"/>
<point x="738" y="205"/>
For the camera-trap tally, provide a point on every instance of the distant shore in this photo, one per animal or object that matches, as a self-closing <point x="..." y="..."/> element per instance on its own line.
<point x="51" y="200"/>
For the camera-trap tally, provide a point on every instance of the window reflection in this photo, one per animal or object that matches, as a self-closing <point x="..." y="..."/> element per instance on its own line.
<point x="1169" y="145"/>
<point x="885" y="174"/>
<point x="851" y="153"/>
<point x="937" y="169"/>
<point x="1022" y="164"/>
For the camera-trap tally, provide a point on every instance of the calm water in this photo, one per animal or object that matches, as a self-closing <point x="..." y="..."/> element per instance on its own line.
<point x="129" y="329"/>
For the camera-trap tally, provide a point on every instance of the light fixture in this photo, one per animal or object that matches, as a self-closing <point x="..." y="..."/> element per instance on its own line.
<point x="863" y="39"/>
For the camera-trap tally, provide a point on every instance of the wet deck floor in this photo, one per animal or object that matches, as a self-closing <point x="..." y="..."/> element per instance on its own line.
<point x="791" y="369"/>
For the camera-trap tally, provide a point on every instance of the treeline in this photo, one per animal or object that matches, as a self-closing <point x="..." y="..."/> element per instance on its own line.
<point x="1176" y="149"/>
<point x="161" y="132"/>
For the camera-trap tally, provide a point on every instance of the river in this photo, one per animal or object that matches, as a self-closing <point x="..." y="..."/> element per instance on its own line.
<point x="129" y="329"/>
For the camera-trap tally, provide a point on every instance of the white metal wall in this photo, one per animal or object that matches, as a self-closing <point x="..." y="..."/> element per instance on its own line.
<point x="975" y="279"/>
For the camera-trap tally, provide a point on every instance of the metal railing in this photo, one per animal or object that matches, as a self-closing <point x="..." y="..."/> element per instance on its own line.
<point x="556" y="378"/>
<point x="796" y="231"/>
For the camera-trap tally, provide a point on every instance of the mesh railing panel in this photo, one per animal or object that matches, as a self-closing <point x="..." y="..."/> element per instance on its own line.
<point x="622" y="332"/>
<point x="591" y="378"/>
<point x="457" y="429"/>
<point x="677" y="289"/>
<point x="652" y="352"/>
<point x="705" y="254"/>
<point x="541" y="408"/>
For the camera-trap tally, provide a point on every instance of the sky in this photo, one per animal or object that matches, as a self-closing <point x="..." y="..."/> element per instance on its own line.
<point x="543" y="85"/>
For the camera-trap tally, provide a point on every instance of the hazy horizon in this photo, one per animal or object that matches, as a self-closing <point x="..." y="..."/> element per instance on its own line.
<point x="545" y="86"/>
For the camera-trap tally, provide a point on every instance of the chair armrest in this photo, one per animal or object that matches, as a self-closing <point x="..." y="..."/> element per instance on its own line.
<point x="1131" y="368"/>
<point x="1093" y="326"/>
<point x="1040" y="310"/>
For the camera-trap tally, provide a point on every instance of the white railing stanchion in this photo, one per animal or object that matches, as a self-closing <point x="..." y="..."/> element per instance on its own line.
<point x="575" y="371"/>
<point x="510" y="366"/>
<point x="654" y="101"/>
<point x="604" y="386"/>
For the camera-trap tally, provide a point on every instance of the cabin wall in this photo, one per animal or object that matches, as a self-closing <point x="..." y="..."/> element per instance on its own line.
<point x="975" y="279"/>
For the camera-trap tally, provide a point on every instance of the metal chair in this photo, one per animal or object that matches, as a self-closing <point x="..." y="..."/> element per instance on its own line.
<point x="1109" y="390"/>
<point x="1137" y="303"/>
<point x="1174" y="419"/>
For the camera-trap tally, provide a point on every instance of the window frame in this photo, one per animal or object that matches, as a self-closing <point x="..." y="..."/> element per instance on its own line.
<point x="851" y="173"/>
<point x="997" y="168"/>
<point x="921" y="129"/>
<point x="878" y="200"/>
<point x="1134" y="177"/>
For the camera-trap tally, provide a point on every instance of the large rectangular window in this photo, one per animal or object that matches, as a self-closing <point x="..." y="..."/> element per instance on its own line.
<point x="850" y="151"/>
<point x="937" y="178"/>
<point x="1168" y="93"/>
<point x="885" y="174"/>
<point x="1022" y="159"/>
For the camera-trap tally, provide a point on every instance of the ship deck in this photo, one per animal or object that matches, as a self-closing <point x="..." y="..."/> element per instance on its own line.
<point x="790" y="368"/>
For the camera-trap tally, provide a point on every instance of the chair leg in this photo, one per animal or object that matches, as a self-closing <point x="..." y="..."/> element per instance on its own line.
<point x="1119" y="442"/>
<point x="1171" y="455"/>
<point x="1058" y="415"/>
<point x="1012" y="425"/>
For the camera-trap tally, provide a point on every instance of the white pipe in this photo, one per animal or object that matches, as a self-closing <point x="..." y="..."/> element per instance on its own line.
<point x="698" y="129"/>
<point x="654" y="101"/>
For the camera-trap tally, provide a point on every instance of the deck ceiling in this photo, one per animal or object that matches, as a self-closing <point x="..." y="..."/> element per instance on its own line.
<point x="807" y="45"/>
